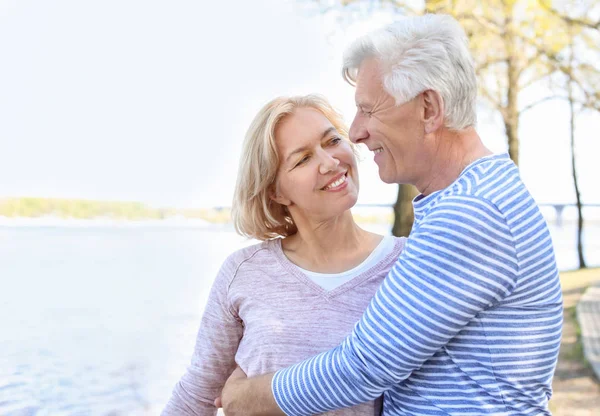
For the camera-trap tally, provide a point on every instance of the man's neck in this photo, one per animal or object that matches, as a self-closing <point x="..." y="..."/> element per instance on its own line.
<point x="452" y="152"/>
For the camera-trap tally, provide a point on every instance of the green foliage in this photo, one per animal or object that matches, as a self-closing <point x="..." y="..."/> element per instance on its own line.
<point x="516" y="44"/>
<point x="86" y="209"/>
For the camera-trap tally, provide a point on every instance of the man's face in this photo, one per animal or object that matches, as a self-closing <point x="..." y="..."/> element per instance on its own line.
<point x="394" y="133"/>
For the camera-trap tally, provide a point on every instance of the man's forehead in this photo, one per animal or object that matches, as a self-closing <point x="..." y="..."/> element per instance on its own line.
<point x="369" y="70"/>
<point x="368" y="81"/>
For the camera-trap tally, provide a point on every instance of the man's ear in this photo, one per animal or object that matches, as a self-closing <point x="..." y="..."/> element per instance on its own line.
<point x="433" y="115"/>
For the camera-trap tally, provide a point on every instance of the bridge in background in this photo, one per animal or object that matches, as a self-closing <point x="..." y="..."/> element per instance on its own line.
<point x="558" y="208"/>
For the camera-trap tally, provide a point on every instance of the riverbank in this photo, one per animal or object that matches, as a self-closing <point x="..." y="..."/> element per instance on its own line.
<point x="52" y="221"/>
<point x="576" y="388"/>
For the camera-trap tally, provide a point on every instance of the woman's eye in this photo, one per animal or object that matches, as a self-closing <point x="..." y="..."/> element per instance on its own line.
<point x="301" y="161"/>
<point x="336" y="140"/>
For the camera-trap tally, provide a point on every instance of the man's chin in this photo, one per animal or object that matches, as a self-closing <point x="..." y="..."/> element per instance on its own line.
<point x="386" y="178"/>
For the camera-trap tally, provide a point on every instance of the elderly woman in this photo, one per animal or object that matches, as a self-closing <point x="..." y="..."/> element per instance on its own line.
<point x="302" y="289"/>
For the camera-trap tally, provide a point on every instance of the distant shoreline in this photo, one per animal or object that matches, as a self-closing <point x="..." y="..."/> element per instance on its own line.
<point x="54" y="210"/>
<point x="48" y="221"/>
<point x="58" y="212"/>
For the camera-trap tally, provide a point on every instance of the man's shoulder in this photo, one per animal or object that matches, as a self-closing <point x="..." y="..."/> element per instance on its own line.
<point x="494" y="183"/>
<point x="490" y="193"/>
<point x="462" y="210"/>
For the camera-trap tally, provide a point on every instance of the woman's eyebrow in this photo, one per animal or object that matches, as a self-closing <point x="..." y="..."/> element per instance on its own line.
<point x="327" y="132"/>
<point x="301" y="149"/>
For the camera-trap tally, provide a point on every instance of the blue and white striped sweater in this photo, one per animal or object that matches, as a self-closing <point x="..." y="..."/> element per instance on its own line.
<point x="468" y="321"/>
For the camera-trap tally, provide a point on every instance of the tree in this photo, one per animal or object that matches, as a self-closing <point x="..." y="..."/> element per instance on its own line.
<point x="572" y="113"/>
<point x="403" y="210"/>
<point x="580" y="81"/>
<point x="512" y="42"/>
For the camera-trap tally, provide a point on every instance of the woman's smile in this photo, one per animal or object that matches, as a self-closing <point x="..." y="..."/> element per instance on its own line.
<point x="337" y="184"/>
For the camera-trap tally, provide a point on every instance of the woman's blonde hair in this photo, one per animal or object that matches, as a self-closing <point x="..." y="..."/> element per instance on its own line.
<point x="254" y="213"/>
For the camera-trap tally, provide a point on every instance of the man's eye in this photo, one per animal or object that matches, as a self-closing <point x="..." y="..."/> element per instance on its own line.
<point x="365" y="112"/>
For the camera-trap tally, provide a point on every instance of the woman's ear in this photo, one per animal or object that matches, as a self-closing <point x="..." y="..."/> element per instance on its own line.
<point x="433" y="116"/>
<point x="277" y="197"/>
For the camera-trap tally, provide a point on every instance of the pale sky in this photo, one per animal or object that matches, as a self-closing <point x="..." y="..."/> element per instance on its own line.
<point x="149" y="100"/>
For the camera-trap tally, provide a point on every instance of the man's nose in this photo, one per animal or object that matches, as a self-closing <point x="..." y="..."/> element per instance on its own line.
<point x="358" y="130"/>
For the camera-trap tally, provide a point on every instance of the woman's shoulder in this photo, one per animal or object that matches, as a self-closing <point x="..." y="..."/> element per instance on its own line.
<point x="244" y="254"/>
<point x="249" y="255"/>
<point x="399" y="242"/>
<point x="392" y="244"/>
<point x="393" y="249"/>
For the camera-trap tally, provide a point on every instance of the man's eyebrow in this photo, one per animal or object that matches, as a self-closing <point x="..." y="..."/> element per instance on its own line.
<point x="326" y="133"/>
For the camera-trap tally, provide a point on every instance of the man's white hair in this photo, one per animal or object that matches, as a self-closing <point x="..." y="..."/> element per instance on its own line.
<point x="421" y="53"/>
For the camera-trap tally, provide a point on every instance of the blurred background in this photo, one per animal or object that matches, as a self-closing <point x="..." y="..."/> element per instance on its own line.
<point x="121" y="125"/>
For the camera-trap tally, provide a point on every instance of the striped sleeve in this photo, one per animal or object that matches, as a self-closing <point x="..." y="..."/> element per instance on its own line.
<point x="459" y="260"/>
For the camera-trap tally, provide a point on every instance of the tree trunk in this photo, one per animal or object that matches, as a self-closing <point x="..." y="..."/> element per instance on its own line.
<point x="511" y="111"/>
<point x="575" y="181"/>
<point x="582" y="264"/>
<point x="403" y="210"/>
<point x="511" y="125"/>
<point x="511" y="114"/>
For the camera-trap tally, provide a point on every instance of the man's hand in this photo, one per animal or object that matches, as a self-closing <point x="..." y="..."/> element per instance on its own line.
<point x="237" y="375"/>
<point x="243" y="396"/>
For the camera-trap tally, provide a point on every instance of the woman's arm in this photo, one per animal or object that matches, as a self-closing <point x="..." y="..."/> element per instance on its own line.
<point x="454" y="267"/>
<point x="214" y="355"/>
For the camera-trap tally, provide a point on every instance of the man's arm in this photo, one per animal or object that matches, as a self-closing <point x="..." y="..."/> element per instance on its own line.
<point x="243" y="396"/>
<point x="459" y="261"/>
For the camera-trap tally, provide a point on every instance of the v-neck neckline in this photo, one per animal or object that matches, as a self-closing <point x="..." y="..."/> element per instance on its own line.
<point x="294" y="270"/>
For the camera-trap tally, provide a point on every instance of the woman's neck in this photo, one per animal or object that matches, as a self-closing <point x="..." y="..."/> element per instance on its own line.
<point x="331" y="246"/>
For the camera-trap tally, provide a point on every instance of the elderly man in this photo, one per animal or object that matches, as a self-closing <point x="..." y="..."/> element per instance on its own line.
<point x="469" y="319"/>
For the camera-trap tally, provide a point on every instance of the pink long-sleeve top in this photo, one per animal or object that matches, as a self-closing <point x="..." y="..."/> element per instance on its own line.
<point x="264" y="314"/>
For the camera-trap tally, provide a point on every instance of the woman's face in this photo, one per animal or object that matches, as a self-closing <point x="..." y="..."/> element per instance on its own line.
<point x="317" y="176"/>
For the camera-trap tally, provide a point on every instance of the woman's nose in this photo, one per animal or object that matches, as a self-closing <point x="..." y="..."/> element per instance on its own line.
<point x="328" y="163"/>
